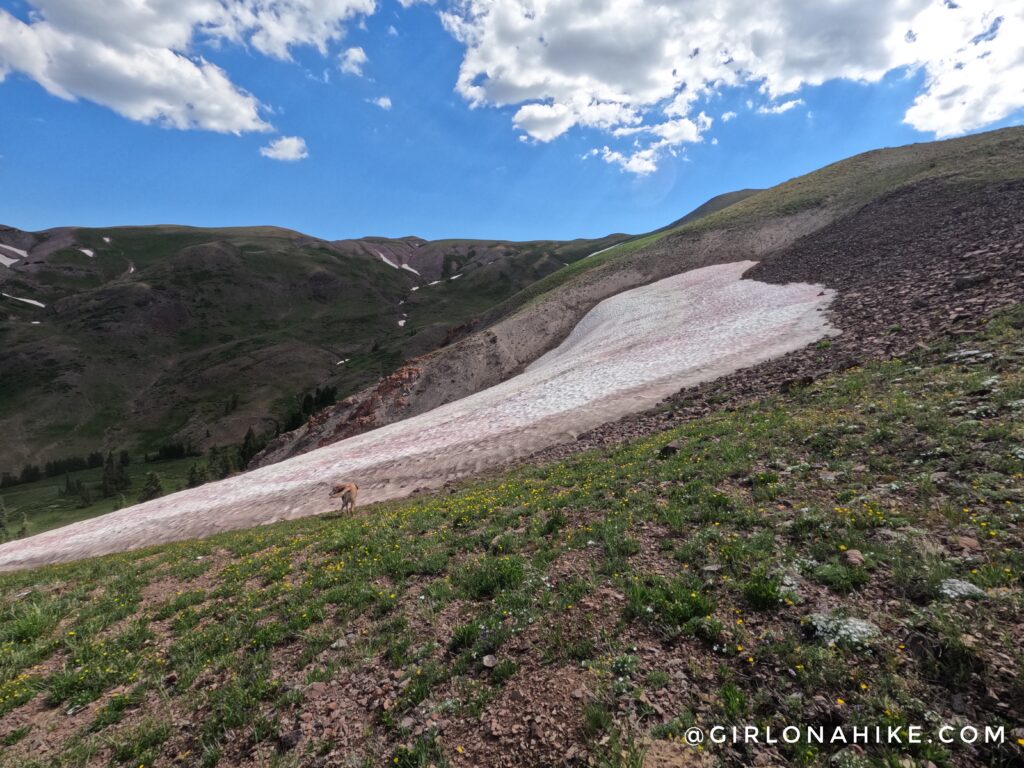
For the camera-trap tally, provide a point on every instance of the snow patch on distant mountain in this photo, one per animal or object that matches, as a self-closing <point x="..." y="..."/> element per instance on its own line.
<point x="33" y="302"/>
<point x="7" y="260"/>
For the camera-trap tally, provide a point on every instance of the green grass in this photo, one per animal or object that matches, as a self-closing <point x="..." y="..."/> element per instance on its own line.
<point x="45" y="508"/>
<point x="690" y="579"/>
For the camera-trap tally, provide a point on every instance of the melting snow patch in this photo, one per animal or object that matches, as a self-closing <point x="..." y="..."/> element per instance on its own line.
<point x="88" y="252"/>
<point x="433" y="283"/>
<point x="35" y="322"/>
<point x="7" y="260"/>
<point x="33" y="302"/>
<point x="386" y="260"/>
<point x="342" y="362"/>
<point x="624" y="356"/>
<point x="414" y="288"/>
<point x="12" y="249"/>
<point x="401" y="323"/>
<point x="409" y="269"/>
<point x="106" y="240"/>
<point x="602" y="250"/>
<point x="455" y="277"/>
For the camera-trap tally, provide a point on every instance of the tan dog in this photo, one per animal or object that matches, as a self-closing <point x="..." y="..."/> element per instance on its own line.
<point x="347" y="492"/>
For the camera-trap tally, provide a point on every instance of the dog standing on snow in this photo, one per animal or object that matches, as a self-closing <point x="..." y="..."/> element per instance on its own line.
<point x="347" y="492"/>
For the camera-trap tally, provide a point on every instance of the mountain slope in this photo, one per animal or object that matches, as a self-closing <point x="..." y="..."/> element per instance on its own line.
<point x="714" y="205"/>
<point x="132" y="337"/>
<point x="847" y="554"/>
<point x="968" y="189"/>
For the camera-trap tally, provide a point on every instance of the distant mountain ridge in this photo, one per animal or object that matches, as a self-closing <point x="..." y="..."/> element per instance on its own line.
<point x="137" y="336"/>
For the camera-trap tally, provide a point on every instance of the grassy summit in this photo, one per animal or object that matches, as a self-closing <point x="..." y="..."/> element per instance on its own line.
<point x="849" y="553"/>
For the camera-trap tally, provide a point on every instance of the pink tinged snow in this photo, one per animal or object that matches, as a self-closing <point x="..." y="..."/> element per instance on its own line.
<point x="387" y="261"/>
<point x="626" y="355"/>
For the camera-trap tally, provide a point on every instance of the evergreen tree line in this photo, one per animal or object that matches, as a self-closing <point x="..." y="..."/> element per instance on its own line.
<point x="171" y="451"/>
<point x="310" y="403"/>
<point x="31" y="473"/>
<point x="114" y="481"/>
<point x="223" y="461"/>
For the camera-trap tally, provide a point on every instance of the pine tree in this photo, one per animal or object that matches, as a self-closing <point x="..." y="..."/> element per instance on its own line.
<point x="5" y="532"/>
<point x="152" y="488"/>
<point x="250" y="447"/>
<point x="108" y="483"/>
<point x="197" y="475"/>
<point x="84" y="497"/>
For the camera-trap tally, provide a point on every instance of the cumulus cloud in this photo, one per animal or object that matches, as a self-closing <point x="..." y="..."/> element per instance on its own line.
<point x="727" y="116"/>
<point x="638" y="67"/>
<point x="352" y="61"/>
<point x="778" y="109"/>
<point x="287" y="148"/>
<point x="140" y="58"/>
<point x="973" y="64"/>
<point x="384" y="102"/>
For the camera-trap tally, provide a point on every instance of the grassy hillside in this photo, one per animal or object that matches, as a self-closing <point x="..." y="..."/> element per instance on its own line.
<point x="836" y="189"/>
<point x="848" y="554"/>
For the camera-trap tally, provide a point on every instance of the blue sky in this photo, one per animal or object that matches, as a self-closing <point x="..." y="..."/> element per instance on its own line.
<point x="530" y="144"/>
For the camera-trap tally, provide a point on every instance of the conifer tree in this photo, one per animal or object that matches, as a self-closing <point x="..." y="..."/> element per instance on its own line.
<point x="197" y="475"/>
<point x="152" y="488"/>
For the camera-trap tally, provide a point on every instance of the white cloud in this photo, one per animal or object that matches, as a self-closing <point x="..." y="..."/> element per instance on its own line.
<point x="352" y="61"/>
<point x="140" y="58"/>
<point x="384" y="102"/>
<point x="974" y="66"/>
<point x="727" y="116"/>
<point x="637" y="67"/>
<point x="392" y="32"/>
<point x="778" y="109"/>
<point x="286" y="148"/>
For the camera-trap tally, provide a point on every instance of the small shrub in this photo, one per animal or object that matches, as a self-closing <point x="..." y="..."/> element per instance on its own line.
<point x="763" y="590"/>
<point x="489" y="575"/>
